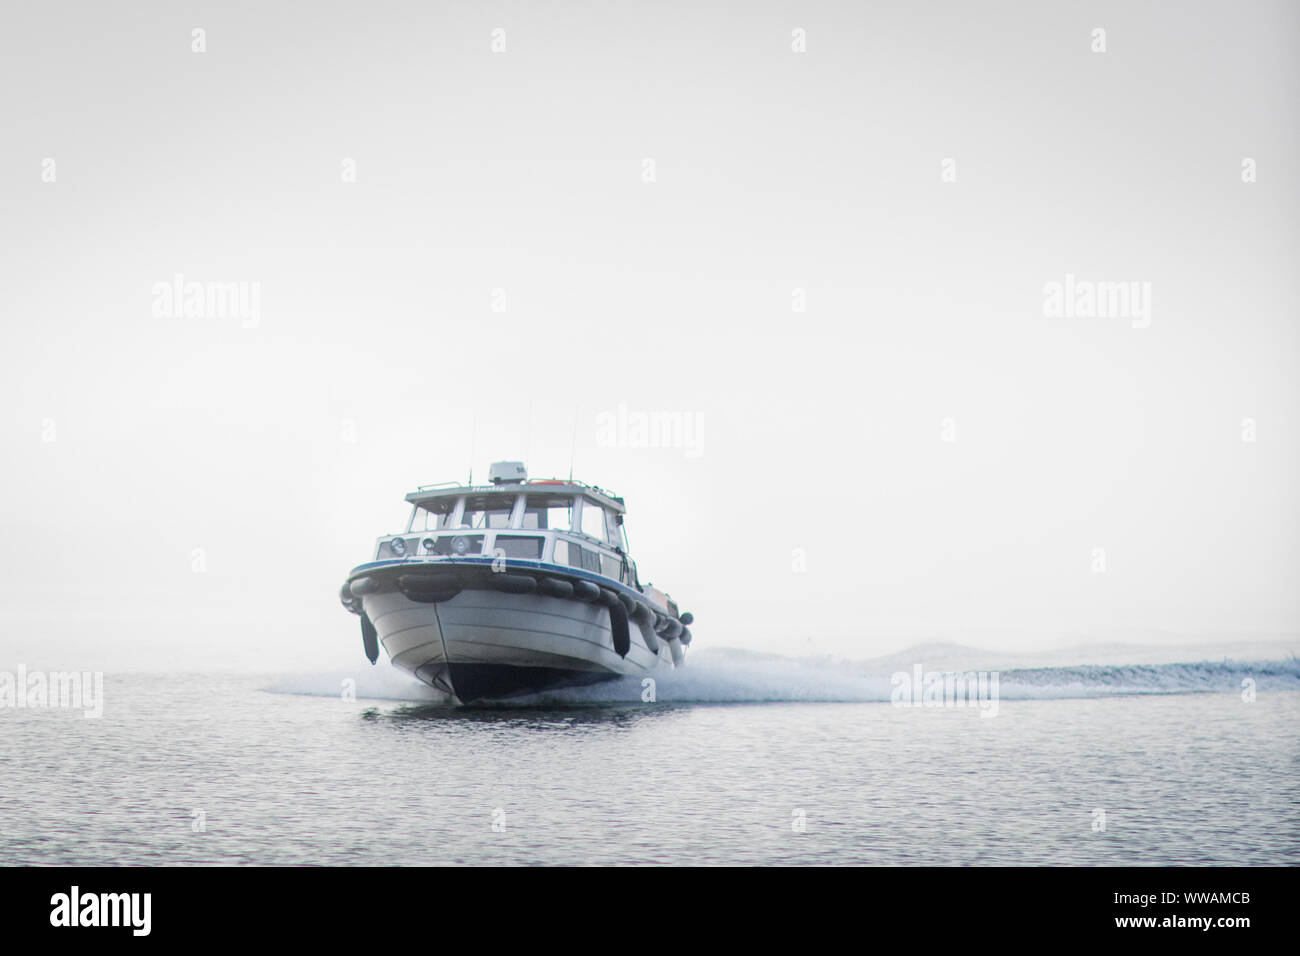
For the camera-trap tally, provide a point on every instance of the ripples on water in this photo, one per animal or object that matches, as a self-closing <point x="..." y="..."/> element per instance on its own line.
<point x="289" y="778"/>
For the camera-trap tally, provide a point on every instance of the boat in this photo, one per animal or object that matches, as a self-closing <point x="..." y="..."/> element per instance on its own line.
<point x="514" y="587"/>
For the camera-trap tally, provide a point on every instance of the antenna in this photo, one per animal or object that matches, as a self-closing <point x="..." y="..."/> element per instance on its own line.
<point x="473" y="437"/>
<point x="528" y="434"/>
<point x="573" y="449"/>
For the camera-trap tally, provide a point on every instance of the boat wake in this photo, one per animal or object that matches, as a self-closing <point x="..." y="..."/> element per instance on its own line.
<point x="736" y="676"/>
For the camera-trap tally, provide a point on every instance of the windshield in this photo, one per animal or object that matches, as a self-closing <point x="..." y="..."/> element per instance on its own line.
<point x="549" y="513"/>
<point x="436" y="519"/>
<point x="488" y="511"/>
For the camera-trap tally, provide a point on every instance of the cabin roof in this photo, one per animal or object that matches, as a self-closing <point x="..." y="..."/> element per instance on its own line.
<point x="429" y="493"/>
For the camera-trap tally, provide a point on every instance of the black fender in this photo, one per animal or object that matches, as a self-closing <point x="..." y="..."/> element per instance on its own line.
<point x="369" y="638"/>
<point x="514" y="583"/>
<point x="362" y="586"/>
<point x="672" y="628"/>
<point x="429" y="588"/>
<point x="618" y="625"/>
<point x="586" y="591"/>
<point x="555" y="587"/>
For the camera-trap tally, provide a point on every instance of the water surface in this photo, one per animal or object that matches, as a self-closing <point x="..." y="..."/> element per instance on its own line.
<point x="221" y="770"/>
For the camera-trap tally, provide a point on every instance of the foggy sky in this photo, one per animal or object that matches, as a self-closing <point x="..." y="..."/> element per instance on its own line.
<point x="941" y="457"/>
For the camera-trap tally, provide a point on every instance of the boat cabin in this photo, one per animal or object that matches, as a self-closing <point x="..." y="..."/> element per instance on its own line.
<point x="553" y="522"/>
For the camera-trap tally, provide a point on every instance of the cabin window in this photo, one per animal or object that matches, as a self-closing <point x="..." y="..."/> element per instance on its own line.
<point x="426" y="520"/>
<point x="479" y="520"/>
<point x="593" y="520"/>
<point x="614" y="530"/>
<point x="611" y="566"/>
<point x="548" y="513"/>
<point x="576" y="556"/>
<point x="490" y="511"/>
<point x="519" y="546"/>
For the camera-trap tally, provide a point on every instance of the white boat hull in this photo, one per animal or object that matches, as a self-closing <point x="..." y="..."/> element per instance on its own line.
<point x="485" y="644"/>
